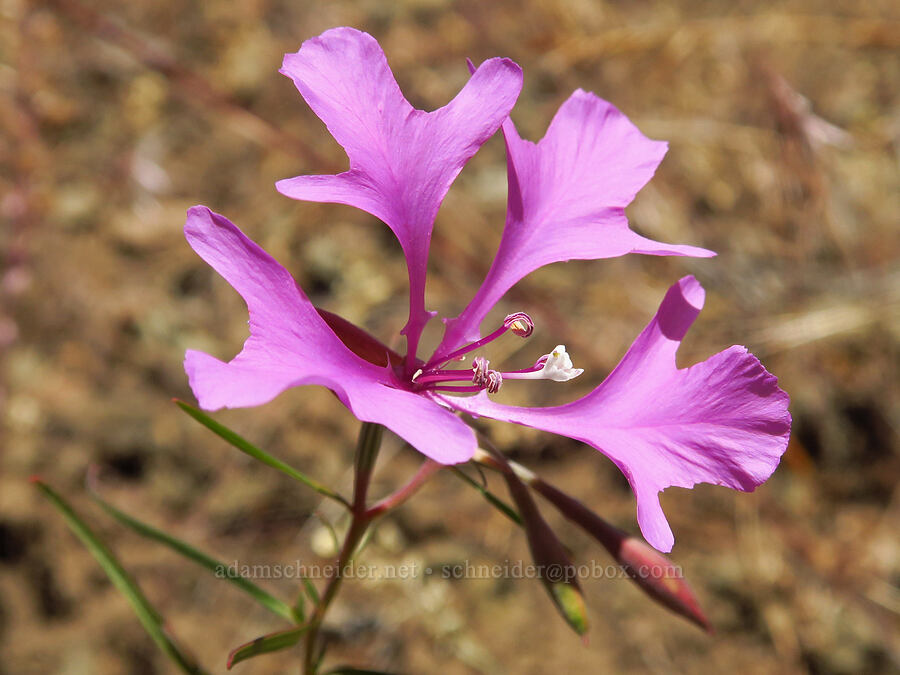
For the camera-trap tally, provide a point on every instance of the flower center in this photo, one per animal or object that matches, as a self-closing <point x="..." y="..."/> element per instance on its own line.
<point x="556" y="366"/>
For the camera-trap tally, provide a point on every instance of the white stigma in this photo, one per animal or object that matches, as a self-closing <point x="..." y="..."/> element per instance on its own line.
<point x="557" y="367"/>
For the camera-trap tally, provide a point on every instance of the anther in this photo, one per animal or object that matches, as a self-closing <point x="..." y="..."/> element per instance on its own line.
<point x="480" y="371"/>
<point x="494" y="381"/>
<point x="519" y="324"/>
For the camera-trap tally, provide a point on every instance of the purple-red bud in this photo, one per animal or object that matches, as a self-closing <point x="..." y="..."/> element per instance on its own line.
<point x="652" y="571"/>
<point x="556" y="570"/>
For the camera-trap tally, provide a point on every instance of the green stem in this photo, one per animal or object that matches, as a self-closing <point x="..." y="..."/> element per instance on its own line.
<point x="366" y="453"/>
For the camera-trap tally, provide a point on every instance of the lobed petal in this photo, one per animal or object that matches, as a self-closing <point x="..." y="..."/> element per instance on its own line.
<point x="723" y="421"/>
<point x="402" y="160"/>
<point x="567" y="199"/>
<point x="291" y="345"/>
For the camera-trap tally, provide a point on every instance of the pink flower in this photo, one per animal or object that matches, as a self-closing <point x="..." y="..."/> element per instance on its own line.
<point x="722" y="421"/>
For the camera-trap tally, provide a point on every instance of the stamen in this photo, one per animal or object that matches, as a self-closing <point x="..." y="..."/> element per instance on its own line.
<point x="480" y="371"/>
<point x="494" y="381"/>
<point x="519" y="323"/>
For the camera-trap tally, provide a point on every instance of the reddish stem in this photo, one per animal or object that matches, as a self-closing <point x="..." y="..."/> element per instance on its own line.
<point x="427" y="470"/>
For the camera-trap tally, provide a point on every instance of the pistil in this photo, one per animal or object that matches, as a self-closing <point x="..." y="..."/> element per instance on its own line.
<point x="556" y="366"/>
<point x="443" y="376"/>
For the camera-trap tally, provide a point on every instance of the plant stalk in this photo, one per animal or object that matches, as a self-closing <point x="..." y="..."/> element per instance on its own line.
<point x="361" y="517"/>
<point x="367" y="448"/>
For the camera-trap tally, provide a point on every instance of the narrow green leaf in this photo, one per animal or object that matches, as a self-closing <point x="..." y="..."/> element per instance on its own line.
<point x="248" y="448"/>
<point x="220" y="569"/>
<point x="148" y="616"/>
<point x="265" y="644"/>
<point x="299" y="608"/>
<point x="494" y="500"/>
<point x="311" y="590"/>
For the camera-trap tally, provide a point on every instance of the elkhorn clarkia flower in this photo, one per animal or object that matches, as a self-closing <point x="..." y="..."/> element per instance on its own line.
<point x="722" y="421"/>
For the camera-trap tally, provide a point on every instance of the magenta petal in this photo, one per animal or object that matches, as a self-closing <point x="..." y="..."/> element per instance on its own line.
<point x="567" y="199"/>
<point x="290" y="345"/>
<point x="723" y="421"/>
<point x="402" y="160"/>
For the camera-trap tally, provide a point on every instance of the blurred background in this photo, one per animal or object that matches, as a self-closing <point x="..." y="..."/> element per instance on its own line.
<point x="784" y="132"/>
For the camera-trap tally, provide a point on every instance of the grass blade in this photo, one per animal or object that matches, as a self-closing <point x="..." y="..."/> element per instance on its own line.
<point x="221" y="571"/>
<point x="494" y="500"/>
<point x="272" y="642"/>
<point x="299" y="608"/>
<point x="148" y="616"/>
<point x="311" y="590"/>
<point x="248" y="448"/>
